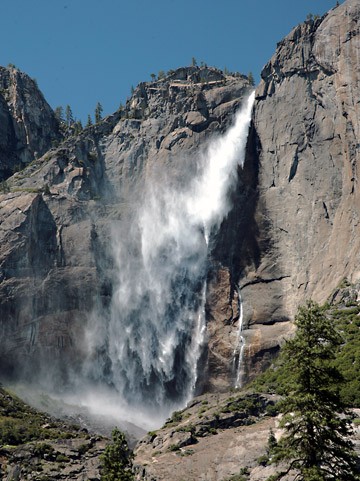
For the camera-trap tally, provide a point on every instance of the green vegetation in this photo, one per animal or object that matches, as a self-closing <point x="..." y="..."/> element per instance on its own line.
<point x="61" y="458"/>
<point x="29" y="190"/>
<point x="43" y="448"/>
<point x="347" y="359"/>
<point x="78" y="128"/>
<point x="242" y="476"/>
<point x="98" y="112"/>
<point x="117" y="459"/>
<point x="4" y="187"/>
<point x="59" y="113"/>
<point x="176" y="417"/>
<point x="18" y="167"/>
<point x="89" y="122"/>
<point x="251" y="79"/>
<point x="68" y="116"/>
<point x="263" y="460"/>
<point x="83" y="448"/>
<point x="174" y="447"/>
<point x="187" y="452"/>
<point x="20" y="423"/>
<point x="317" y="427"/>
<point x="189" y="428"/>
<point x="346" y="318"/>
<point x="247" y="405"/>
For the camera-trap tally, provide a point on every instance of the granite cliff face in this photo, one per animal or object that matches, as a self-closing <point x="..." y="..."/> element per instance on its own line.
<point x="58" y="268"/>
<point x="27" y="123"/>
<point x="292" y="232"/>
<point x="300" y="235"/>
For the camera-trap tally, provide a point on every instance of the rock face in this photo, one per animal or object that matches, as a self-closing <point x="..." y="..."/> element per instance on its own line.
<point x="33" y="442"/>
<point x="216" y="437"/>
<point x="57" y="216"/>
<point x="293" y="231"/>
<point x="27" y="123"/>
<point x="308" y="177"/>
<point x="299" y="236"/>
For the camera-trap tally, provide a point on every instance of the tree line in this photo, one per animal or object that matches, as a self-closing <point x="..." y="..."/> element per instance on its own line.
<point x="66" y="118"/>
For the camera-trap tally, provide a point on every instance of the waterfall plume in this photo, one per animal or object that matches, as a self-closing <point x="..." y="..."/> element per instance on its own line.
<point x="156" y="325"/>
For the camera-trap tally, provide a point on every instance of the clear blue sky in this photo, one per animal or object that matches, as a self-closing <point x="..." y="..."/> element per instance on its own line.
<point x="84" y="51"/>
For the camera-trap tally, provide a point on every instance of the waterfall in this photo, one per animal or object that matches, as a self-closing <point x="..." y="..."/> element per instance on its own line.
<point x="240" y="344"/>
<point x="156" y="328"/>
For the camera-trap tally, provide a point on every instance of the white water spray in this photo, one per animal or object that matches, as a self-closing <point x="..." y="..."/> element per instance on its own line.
<point x="157" y="320"/>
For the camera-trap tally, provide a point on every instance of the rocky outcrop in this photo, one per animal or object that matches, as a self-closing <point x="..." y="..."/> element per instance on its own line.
<point x="308" y="163"/>
<point x="216" y="437"/>
<point x="27" y="123"/>
<point x="34" y="444"/>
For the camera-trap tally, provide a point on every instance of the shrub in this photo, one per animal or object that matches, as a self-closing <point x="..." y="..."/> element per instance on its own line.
<point x="174" y="447"/>
<point x="116" y="462"/>
<point x="61" y="458"/>
<point x="41" y="449"/>
<point x="83" y="448"/>
<point x="263" y="460"/>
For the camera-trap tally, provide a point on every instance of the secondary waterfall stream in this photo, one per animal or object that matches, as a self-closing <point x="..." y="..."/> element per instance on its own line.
<point x="241" y="344"/>
<point x="157" y="316"/>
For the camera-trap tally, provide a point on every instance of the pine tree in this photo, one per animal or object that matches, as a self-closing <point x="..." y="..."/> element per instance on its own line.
<point x="98" y="112"/>
<point x="116" y="461"/>
<point x="316" y="444"/>
<point x="69" y="119"/>
<point x="59" y="113"/>
<point x="89" y="122"/>
<point x="78" y="127"/>
<point x="251" y="78"/>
